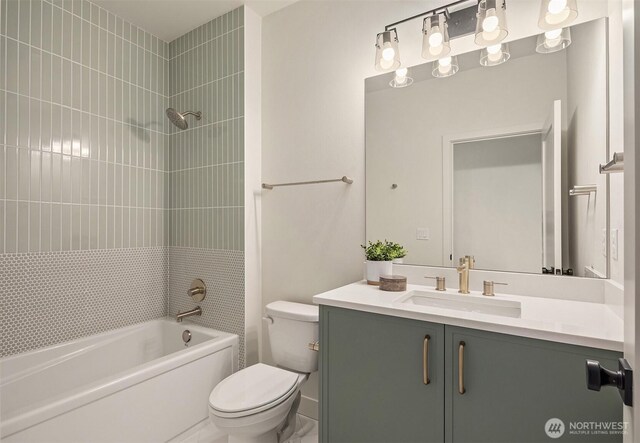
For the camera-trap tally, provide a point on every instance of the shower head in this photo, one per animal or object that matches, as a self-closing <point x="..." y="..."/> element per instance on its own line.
<point x="177" y="118"/>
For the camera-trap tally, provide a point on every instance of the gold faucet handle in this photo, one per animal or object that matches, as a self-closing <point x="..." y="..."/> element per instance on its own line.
<point x="488" y="287"/>
<point x="440" y="283"/>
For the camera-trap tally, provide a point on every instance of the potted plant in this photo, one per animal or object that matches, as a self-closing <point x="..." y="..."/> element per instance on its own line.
<point x="380" y="256"/>
<point x="397" y="252"/>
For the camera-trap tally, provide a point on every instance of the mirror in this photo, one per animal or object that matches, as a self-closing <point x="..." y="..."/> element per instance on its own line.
<point x="482" y="162"/>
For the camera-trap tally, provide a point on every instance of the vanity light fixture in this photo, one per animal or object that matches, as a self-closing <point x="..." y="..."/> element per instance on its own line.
<point x="387" y="53"/>
<point x="494" y="55"/>
<point x="401" y="79"/>
<point x="435" y="37"/>
<point x="436" y="32"/>
<point x="556" y="14"/>
<point x="491" y="23"/>
<point x="553" y="41"/>
<point x="445" y="67"/>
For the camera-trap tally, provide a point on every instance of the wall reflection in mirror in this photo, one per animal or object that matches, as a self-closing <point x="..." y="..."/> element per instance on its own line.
<point x="482" y="162"/>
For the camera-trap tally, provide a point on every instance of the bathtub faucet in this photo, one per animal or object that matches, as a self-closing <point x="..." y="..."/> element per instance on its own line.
<point x="196" y="311"/>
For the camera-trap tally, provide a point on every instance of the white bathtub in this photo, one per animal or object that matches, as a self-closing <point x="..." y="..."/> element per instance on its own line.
<point x="136" y="384"/>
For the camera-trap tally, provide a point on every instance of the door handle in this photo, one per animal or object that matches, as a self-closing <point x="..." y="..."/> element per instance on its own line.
<point x="425" y="360"/>
<point x="597" y="376"/>
<point x="461" y="389"/>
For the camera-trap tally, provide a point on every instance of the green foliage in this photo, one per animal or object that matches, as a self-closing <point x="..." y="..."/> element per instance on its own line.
<point x="383" y="251"/>
<point x="397" y="251"/>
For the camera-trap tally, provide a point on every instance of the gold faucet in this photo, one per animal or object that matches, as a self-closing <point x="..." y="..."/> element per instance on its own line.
<point x="466" y="264"/>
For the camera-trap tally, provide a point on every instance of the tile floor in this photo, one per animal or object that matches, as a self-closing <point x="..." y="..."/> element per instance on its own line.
<point x="206" y="432"/>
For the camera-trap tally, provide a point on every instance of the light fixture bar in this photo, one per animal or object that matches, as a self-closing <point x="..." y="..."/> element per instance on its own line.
<point x="461" y="21"/>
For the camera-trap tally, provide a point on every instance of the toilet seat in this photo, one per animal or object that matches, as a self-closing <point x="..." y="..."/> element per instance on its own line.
<point x="252" y="390"/>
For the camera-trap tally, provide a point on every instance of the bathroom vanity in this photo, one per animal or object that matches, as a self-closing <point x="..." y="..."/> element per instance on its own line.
<point x="393" y="369"/>
<point x="498" y="163"/>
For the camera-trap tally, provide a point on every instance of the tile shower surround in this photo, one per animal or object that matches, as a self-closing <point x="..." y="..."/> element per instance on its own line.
<point x="83" y="131"/>
<point x="206" y="173"/>
<point x="95" y="181"/>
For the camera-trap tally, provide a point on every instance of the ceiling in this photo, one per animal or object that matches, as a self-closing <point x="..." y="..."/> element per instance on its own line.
<point x="169" y="19"/>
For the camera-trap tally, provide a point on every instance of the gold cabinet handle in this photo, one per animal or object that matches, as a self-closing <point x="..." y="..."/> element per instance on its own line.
<point x="461" y="389"/>
<point x="425" y="360"/>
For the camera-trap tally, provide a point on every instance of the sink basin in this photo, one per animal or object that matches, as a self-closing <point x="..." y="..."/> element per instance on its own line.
<point x="460" y="302"/>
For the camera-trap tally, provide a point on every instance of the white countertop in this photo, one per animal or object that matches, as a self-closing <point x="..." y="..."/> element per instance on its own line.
<point x="559" y="320"/>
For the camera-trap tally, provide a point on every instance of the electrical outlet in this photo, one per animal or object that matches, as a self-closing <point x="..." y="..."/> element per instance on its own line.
<point x="614" y="244"/>
<point x="422" y="234"/>
<point x="603" y="242"/>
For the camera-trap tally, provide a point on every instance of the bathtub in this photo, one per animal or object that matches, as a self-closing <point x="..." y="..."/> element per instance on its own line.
<point x="141" y="383"/>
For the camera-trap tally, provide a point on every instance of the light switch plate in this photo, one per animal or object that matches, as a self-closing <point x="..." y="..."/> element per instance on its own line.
<point x="614" y="244"/>
<point x="422" y="234"/>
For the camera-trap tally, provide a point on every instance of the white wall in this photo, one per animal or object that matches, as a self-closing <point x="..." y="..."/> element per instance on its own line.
<point x="616" y="135"/>
<point x="404" y="137"/>
<point x="253" y="177"/>
<point x="586" y="145"/>
<point x="497" y="203"/>
<point x="315" y="58"/>
<point x="316" y="55"/>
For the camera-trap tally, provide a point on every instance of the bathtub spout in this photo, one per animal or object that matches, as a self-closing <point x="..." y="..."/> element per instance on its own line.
<point x="181" y="315"/>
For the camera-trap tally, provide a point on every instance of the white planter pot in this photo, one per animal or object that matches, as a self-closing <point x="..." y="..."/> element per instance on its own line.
<point x="377" y="268"/>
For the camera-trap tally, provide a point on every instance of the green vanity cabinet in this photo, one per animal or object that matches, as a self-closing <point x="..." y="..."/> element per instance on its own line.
<point x="372" y="384"/>
<point x="513" y="385"/>
<point x="373" y="379"/>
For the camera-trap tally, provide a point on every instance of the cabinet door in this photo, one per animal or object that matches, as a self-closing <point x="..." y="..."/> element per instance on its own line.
<point x="513" y="386"/>
<point x="372" y="380"/>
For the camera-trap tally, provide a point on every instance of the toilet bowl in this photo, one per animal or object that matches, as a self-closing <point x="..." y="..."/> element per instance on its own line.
<point x="258" y="404"/>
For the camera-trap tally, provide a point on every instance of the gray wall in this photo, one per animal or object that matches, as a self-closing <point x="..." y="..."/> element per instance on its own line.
<point x="206" y="173"/>
<point x="82" y="147"/>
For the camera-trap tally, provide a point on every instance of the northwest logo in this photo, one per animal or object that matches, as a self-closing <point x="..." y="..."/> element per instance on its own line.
<point x="554" y="428"/>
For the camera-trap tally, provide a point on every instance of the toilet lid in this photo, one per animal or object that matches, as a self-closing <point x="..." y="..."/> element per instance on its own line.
<point x="251" y="388"/>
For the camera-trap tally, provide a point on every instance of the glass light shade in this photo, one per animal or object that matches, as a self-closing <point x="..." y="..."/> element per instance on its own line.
<point x="387" y="53"/>
<point x="445" y="67"/>
<point x="494" y="55"/>
<point x="553" y="41"/>
<point x="401" y="79"/>
<point x="435" y="37"/>
<point x="555" y="14"/>
<point x="491" y="24"/>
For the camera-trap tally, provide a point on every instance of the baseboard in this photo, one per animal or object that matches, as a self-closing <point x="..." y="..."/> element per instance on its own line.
<point x="308" y="407"/>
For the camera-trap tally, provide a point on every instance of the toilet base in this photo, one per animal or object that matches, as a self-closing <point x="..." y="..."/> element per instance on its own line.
<point x="271" y="426"/>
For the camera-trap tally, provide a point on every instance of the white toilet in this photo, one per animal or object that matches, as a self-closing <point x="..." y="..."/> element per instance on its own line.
<point x="259" y="403"/>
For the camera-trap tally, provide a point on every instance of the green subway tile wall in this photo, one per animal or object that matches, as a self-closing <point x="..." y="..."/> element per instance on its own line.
<point x="83" y="161"/>
<point x="89" y="163"/>
<point x="206" y="161"/>
<point x="205" y="167"/>
<point x="83" y="136"/>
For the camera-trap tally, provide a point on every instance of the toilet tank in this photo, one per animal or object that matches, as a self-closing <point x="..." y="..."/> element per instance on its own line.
<point x="292" y="326"/>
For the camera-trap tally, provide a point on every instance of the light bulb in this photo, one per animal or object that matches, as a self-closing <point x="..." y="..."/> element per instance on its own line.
<point x="490" y="22"/>
<point x="401" y="76"/>
<point x="436" y="50"/>
<point x="444" y="65"/>
<point x="436" y="38"/>
<point x="552" y="38"/>
<point x="556" y="6"/>
<point x="386" y="64"/>
<point x="494" y="52"/>
<point x="550" y="35"/>
<point x="388" y="53"/>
